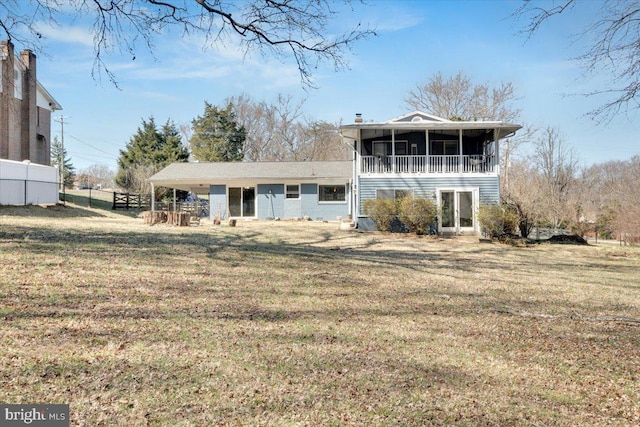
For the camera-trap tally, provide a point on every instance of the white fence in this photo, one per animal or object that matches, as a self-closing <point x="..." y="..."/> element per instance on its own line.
<point x="24" y="183"/>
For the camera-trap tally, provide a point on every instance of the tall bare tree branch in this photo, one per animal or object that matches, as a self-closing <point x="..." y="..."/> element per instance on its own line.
<point x="282" y="29"/>
<point x="613" y="48"/>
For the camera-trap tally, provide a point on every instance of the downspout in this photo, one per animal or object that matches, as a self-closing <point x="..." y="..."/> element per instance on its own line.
<point x="353" y="206"/>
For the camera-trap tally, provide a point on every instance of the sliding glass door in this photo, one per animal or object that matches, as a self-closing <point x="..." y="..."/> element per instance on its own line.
<point x="242" y="202"/>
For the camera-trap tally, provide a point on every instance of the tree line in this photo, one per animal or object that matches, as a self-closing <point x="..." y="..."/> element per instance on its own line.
<point x="239" y="130"/>
<point x="542" y="183"/>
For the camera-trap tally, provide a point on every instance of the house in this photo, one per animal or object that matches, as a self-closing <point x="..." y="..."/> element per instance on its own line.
<point x="25" y="108"/>
<point x="262" y="190"/>
<point x="26" y="176"/>
<point x="454" y="163"/>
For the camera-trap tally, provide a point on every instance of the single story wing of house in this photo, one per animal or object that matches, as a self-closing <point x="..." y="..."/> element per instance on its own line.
<point x="319" y="190"/>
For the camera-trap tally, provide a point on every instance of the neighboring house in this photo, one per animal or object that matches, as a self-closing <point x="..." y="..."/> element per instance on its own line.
<point x="454" y="163"/>
<point x="25" y="132"/>
<point x="262" y="190"/>
<point x="25" y="108"/>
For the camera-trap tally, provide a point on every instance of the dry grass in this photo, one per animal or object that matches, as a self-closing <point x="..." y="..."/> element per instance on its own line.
<point x="289" y="323"/>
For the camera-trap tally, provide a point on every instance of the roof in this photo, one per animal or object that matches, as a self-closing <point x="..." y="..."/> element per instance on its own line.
<point x="52" y="104"/>
<point x="418" y="120"/>
<point x="187" y="176"/>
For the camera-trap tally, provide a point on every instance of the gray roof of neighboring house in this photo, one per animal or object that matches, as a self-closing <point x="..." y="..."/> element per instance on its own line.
<point x="187" y="175"/>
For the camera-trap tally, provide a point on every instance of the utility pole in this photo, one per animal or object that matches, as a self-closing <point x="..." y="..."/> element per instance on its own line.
<point x="61" y="160"/>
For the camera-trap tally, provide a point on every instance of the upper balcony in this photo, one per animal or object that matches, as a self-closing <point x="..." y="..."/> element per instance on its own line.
<point x="421" y="164"/>
<point x="420" y="143"/>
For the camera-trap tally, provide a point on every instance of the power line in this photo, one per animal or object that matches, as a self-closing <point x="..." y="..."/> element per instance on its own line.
<point x="91" y="146"/>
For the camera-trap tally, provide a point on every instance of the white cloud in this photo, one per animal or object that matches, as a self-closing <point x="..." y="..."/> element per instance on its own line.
<point x="77" y="35"/>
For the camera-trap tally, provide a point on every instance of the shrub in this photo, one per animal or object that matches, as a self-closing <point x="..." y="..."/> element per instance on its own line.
<point x="417" y="214"/>
<point x="382" y="212"/>
<point x="498" y="220"/>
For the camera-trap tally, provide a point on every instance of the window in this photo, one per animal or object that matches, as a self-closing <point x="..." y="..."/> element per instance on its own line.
<point x="17" y="88"/>
<point x="382" y="194"/>
<point x="332" y="193"/>
<point x="293" y="191"/>
<point x="446" y="148"/>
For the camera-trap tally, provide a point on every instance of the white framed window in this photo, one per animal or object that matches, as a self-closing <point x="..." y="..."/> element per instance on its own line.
<point x="385" y="194"/>
<point x="293" y="191"/>
<point x="332" y="193"/>
<point x="17" y="84"/>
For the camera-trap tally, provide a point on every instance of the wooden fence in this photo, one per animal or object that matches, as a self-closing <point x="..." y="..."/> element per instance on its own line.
<point x="130" y="201"/>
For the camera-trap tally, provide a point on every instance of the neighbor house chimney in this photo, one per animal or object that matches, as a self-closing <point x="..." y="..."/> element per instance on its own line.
<point x="358" y="118"/>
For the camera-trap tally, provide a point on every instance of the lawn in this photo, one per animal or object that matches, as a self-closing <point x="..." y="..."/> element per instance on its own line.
<point x="298" y="323"/>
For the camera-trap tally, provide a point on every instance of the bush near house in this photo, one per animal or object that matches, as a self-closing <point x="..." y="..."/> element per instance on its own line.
<point x="418" y="214"/>
<point x="415" y="214"/>
<point x="498" y="219"/>
<point x="381" y="211"/>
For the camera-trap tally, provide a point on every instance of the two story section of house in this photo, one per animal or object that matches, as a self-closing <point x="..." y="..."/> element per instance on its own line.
<point x="25" y="108"/>
<point x="454" y="163"/>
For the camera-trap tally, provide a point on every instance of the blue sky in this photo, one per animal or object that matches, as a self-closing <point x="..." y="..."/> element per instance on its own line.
<point x="415" y="40"/>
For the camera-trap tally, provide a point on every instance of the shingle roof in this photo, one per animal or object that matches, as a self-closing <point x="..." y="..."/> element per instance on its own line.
<point x="216" y="171"/>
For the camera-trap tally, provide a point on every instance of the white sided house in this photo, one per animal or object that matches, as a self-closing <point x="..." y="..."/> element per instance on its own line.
<point x="454" y="163"/>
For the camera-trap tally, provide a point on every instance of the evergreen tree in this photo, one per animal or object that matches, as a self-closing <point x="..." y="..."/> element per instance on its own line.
<point x="217" y="136"/>
<point x="57" y="156"/>
<point x="148" y="151"/>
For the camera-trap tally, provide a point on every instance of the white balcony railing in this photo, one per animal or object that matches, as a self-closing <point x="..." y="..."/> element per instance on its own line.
<point x="428" y="164"/>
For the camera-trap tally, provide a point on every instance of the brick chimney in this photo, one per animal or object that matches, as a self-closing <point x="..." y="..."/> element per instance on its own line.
<point x="358" y="118"/>
<point x="6" y="96"/>
<point x="30" y="148"/>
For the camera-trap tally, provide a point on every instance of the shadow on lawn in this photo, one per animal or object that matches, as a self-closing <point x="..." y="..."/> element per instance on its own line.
<point x="319" y="264"/>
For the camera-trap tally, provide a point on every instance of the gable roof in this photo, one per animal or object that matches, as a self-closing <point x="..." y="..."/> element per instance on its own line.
<point x="417" y="116"/>
<point x="187" y="176"/>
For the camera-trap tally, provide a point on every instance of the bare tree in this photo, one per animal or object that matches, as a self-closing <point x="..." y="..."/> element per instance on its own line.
<point x="612" y="196"/>
<point x="280" y="131"/>
<point x="525" y="195"/>
<point x="544" y="187"/>
<point x="98" y="175"/>
<point x="613" y="39"/>
<point x="258" y="119"/>
<point x="458" y="98"/>
<point x="296" y="28"/>
<point x="557" y="167"/>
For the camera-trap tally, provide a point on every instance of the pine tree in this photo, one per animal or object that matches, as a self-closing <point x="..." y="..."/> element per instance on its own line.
<point x="217" y="136"/>
<point x="57" y="156"/>
<point x="148" y="151"/>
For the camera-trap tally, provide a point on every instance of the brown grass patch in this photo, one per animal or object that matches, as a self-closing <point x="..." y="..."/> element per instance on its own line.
<point x="291" y="323"/>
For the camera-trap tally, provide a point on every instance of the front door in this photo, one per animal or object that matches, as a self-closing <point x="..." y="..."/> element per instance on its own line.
<point x="242" y="201"/>
<point x="457" y="211"/>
